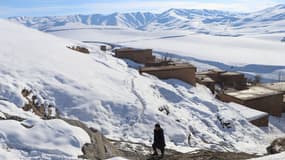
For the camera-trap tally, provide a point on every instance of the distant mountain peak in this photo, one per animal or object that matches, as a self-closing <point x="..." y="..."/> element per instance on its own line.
<point x="199" y="20"/>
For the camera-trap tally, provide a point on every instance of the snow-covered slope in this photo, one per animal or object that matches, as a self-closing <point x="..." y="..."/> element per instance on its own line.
<point x="213" y="22"/>
<point x="35" y="138"/>
<point x="103" y="92"/>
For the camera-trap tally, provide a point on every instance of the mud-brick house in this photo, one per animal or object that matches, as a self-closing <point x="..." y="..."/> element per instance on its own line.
<point x="142" y="56"/>
<point x="207" y="81"/>
<point x="225" y="79"/>
<point x="257" y="118"/>
<point x="103" y="48"/>
<point x="257" y="97"/>
<point x="233" y="79"/>
<point x="278" y="86"/>
<point x="182" y="71"/>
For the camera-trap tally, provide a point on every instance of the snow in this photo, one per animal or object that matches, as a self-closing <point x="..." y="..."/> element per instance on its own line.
<point x="2" y="115"/>
<point x="36" y="137"/>
<point x="103" y="92"/>
<point x="249" y="113"/>
<point x="267" y="22"/>
<point x="7" y="153"/>
<point x="279" y="156"/>
<point x="53" y="137"/>
<point x="280" y="86"/>
<point x="253" y="92"/>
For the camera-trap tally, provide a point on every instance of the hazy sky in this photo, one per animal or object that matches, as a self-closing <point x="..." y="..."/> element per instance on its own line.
<point x="64" y="7"/>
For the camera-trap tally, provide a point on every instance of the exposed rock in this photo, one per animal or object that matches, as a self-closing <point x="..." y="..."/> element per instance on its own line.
<point x="12" y="117"/>
<point x="277" y="146"/>
<point x="210" y="155"/>
<point x="138" y="151"/>
<point x="38" y="105"/>
<point x="100" y="148"/>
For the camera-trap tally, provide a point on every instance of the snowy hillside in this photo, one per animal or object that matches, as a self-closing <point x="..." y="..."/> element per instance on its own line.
<point x="103" y="92"/>
<point x="213" y="22"/>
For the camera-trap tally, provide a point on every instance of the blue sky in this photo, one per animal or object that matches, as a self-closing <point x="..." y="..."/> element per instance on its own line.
<point x="65" y="7"/>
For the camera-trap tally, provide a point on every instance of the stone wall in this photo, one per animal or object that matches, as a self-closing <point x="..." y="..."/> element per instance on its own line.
<point x="271" y="104"/>
<point x="261" y="122"/>
<point x="142" y="56"/>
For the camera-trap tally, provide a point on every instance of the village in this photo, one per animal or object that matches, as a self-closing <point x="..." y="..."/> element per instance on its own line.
<point x="261" y="100"/>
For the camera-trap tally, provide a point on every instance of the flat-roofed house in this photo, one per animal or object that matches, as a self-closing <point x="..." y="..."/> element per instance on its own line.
<point x="142" y="56"/>
<point x="226" y="79"/>
<point x="257" y="97"/>
<point x="278" y="86"/>
<point x="182" y="71"/>
<point x="233" y="79"/>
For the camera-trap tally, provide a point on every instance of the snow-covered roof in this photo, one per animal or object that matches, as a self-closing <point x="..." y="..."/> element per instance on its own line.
<point x="280" y="86"/>
<point x="231" y="73"/>
<point x="211" y="71"/>
<point x="204" y="78"/>
<point x="253" y="93"/>
<point x="249" y="113"/>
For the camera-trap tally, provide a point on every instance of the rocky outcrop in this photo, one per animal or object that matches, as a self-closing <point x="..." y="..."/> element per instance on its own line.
<point x="99" y="148"/>
<point x="139" y="151"/>
<point x="38" y="105"/>
<point x="277" y="146"/>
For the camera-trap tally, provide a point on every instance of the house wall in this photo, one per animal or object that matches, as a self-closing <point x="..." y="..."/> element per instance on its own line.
<point x="103" y="48"/>
<point x="261" y="122"/>
<point x="184" y="74"/>
<point x="271" y="104"/>
<point x="235" y="81"/>
<point x="139" y="56"/>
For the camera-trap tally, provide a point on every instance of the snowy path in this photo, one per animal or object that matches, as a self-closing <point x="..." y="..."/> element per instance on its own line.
<point x="141" y="100"/>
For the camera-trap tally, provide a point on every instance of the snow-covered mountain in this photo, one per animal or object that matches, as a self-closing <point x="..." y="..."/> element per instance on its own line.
<point x="190" y="19"/>
<point x="104" y="93"/>
<point x="131" y="20"/>
<point x="270" y="20"/>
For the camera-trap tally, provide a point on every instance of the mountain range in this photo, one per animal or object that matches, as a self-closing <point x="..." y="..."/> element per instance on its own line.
<point x="270" y="20"/>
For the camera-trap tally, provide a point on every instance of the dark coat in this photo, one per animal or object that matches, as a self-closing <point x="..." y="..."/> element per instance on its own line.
<point x="159" y="138"/>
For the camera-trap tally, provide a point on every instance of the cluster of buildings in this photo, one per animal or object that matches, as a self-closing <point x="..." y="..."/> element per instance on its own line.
<point x="228" y="86"/>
